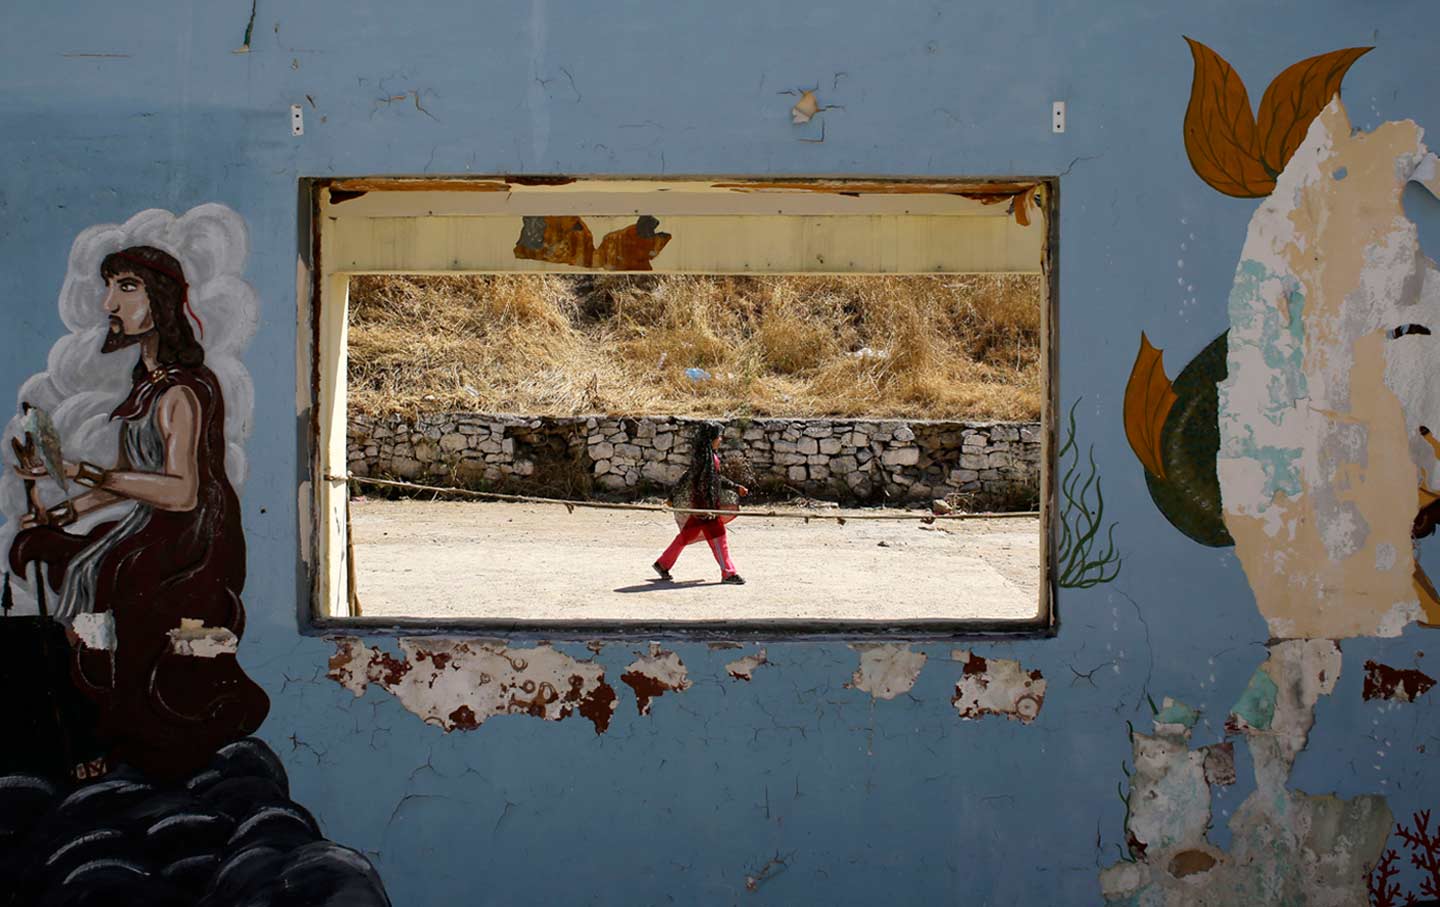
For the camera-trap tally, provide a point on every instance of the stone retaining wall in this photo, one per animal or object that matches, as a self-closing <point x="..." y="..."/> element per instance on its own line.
<point x="845" y="460"/>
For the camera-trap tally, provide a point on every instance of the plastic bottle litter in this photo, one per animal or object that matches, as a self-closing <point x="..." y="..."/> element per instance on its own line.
<point x="697" y="374"/>
<point x="866" y="352"/>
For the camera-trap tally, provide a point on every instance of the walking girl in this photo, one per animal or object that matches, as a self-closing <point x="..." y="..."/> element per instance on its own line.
<point x="703" y="488"/>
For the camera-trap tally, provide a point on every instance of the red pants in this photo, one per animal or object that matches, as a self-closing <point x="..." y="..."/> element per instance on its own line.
<point x="714" y="532"/>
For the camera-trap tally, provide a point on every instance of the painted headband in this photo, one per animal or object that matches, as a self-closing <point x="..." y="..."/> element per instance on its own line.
<point x="173" y="275"/>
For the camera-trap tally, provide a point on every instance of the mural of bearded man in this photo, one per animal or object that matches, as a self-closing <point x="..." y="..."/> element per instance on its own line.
<point x="172" y="566"/>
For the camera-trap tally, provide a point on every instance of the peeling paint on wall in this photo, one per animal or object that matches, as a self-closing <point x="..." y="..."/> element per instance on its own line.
<point x="654" y="675"/>
<point x="95" y="630"/>
<point x="1385" y="682"/>
<point x="1220" y="763"/>
<point x="742" y="668"/>
<point x="566" y="240"/>
<point x="997" y="686"/>
<point x="460" y="684"/>
<point x="1287" y="847"/>
<point x="1321" y="410"/>
<point x="886" y="669"/>
<point x="194" y="639"/>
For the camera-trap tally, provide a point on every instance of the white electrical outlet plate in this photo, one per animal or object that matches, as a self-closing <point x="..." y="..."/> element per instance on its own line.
<point x="297" y="120"/>
<point x="1057" y="116"/>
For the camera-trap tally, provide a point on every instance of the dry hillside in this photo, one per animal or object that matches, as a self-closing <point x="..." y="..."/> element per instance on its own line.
<point x="945" y="347"/>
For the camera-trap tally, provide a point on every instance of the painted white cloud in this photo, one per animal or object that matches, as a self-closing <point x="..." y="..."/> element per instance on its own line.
<point x="80" y="387"/>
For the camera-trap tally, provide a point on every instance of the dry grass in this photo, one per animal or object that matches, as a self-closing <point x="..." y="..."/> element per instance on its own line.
<point x="955" y="347"/>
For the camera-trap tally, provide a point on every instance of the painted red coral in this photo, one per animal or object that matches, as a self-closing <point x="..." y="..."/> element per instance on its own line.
<point x="1383" y="892"/>
<point x="1424" y="852"/>
<point x="1424" y="847"/>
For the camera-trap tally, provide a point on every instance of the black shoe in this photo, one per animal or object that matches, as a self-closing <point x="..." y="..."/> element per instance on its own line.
<point x="664" y="574"/>
<point x="734" y="579"/>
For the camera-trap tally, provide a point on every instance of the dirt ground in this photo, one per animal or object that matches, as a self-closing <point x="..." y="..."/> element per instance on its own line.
<point x="537" y="562"/>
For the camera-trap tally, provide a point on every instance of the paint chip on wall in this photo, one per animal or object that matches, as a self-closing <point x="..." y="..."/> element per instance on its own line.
<point x="1402" y="685"/>
<point x="742" y="668"/>
<point x="96" y="630"/>
<point x="886" y="669"/>
<point x="195" y="639"/>
<point x="997" y="686"/>
<point x="458" y="684"/>
<point x="654" y="675"/>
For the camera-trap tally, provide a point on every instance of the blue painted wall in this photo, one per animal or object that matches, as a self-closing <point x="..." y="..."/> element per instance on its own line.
<point x="892" y="801"/>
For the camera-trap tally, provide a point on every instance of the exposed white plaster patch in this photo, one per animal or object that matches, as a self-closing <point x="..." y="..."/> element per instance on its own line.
<point x="1287" y="847"/>
<point x="96" y="631"/>
<point x="1122" y="880"/>
<point x="1169" y="798"/>
<point x="997" y="686"/>
<point x="886" y="669"/>
<point x="459" y="683"/>
<point x="1400" y="615"/>
<point x="195" y="639"/>
<point x="742" y="668"/>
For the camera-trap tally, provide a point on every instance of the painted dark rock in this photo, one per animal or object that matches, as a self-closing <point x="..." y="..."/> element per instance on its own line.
<point x="50" y="726"/>
<point x="228" y="835"/>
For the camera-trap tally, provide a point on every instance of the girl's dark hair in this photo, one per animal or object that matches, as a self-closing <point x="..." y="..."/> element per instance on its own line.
<point x="167" y="289"/>
<point x="704" y="480"/>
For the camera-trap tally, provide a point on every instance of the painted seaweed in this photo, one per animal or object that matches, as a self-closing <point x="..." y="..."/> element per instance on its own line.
<point x="1080" y="562"/>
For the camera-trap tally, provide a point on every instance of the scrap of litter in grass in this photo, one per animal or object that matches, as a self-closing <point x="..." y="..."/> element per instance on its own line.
<point x="942" y="347"/>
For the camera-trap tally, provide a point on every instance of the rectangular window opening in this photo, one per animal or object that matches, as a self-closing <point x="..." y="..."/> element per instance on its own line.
<point x="876" y="358"/>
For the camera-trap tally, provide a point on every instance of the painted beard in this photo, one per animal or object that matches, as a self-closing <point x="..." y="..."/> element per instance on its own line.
<point x="117" y="339"/>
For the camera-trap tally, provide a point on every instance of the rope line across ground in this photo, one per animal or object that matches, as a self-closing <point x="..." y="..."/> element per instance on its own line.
<point x="570" y="505"/>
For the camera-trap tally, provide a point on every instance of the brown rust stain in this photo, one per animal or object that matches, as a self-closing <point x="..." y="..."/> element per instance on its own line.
<point x="438" y="659"/>
<point x="539" y="180"/>
<point x="599" y="707"/>
<point x="977" y="191"/>
<point x="536" y="697"/>
<point x="646" y="688"/>
<point x="464" y="718"/>
<point x="997" y="687"/>
<point x="389" y="669"/>
<point x="565" y="239"/>
<point x="493" y="681"/>
<point x="1019" y="197"/>
<point x="558" y="239"/>
<point x="1385" y="682"/>
<point x="391" y="184"/>
<point x="632" y="248"/>
<point x="340" y="661"/>
<point x="1189" y="862"/>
